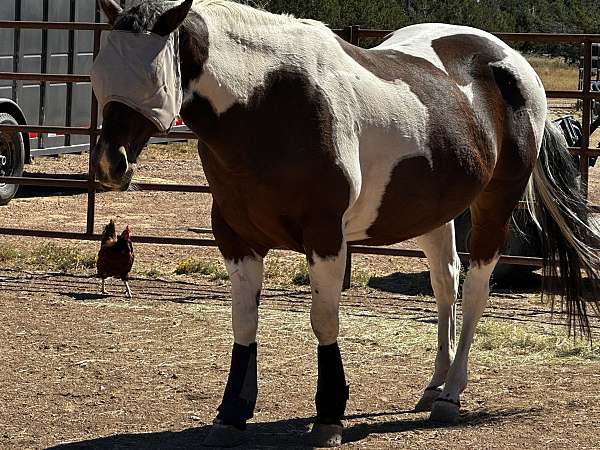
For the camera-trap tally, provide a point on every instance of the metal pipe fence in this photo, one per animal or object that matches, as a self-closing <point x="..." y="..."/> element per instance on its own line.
<point x="352" y="34"/>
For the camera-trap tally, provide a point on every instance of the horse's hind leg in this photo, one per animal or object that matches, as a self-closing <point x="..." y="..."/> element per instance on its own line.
<point x="440" y="248"/>
<point x="490" y="214"/>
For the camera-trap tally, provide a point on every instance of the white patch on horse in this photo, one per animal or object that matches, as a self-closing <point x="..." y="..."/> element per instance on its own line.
<point x="440" y="248"/>
<point x="251" y="43"/>
<point x="326" y="278"/>
<point x="246" y="278"/>
<point x="468" y="91"/>
<point x="476" y="292"/>
<point x="414" y="41"/>
<point x="392" y="132"/>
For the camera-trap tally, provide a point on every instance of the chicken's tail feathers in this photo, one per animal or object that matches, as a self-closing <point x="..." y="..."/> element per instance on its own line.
<point x="109" y="232"/>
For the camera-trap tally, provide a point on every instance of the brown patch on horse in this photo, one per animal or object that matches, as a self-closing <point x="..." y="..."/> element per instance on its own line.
<point x="193" y="46"/>
<point x="468" y="57"/>
<point x="272" y="168"/>
<point x="492" y="209"/>
<point x="422" y="196"/>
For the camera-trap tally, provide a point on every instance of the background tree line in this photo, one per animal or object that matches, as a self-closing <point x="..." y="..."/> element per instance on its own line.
<point x="549" y="16"/>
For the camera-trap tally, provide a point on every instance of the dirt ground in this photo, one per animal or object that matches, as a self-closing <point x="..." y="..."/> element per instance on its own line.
<point x="85" y="371"/>
<point x="82" y="370"/>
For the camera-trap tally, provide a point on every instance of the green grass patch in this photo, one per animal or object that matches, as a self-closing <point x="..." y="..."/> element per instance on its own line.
<point x="153" y="273"/>
<point x="360" y="277"/>
<point x="64" y="259"/>
<point x="8" y="253"/>
<point x="49" y="256"/>
<point x="201" y="267"/>
<point x="301" y="277"/>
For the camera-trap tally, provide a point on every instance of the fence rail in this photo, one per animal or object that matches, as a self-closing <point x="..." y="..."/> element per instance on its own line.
<point x="353" y="34"/>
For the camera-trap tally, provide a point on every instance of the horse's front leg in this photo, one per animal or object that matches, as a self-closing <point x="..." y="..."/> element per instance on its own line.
<point x="239" y="399"/>
<point x="326" y="278"/>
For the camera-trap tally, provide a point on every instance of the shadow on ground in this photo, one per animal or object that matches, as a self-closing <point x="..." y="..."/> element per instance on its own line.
<point x="419" y="283"/>
<point x="285" y="433"/>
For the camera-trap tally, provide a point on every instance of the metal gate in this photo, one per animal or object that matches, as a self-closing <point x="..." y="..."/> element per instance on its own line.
<point x="352" y="34"/>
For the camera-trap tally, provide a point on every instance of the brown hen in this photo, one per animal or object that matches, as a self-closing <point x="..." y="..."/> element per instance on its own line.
<point x="115" y="257"/>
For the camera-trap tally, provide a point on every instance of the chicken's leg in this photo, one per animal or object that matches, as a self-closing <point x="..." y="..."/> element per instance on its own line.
<point x="127" y="289"/>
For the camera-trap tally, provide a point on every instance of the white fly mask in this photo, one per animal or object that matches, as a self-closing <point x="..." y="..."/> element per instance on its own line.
<point x="142" y="71"/>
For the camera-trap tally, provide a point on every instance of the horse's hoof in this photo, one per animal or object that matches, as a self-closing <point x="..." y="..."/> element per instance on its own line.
<point x="426" y="402"/>
<point x="325" y="435"/>
<point x="227" y="436"/>
<point x="445" y="412"/>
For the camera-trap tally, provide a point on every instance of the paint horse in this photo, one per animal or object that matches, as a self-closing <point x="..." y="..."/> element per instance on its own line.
<point x="310" y="143"/>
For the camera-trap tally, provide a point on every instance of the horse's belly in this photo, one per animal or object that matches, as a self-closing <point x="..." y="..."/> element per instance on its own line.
<point x="419" y="193"/>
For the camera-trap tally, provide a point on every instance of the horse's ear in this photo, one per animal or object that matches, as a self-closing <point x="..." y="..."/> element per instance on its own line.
<point x="170" y="20"/>
<point x="111" y="9"/>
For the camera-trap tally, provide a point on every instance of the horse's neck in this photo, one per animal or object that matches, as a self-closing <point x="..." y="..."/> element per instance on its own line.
<point x="241" y="57"/>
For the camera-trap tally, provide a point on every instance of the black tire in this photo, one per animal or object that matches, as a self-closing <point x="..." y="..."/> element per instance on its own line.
<point x="12" y="158"/>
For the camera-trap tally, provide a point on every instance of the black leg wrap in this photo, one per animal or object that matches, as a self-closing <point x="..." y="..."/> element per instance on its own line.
<point x="239" y="399"/>
<point x="332" y="392"/>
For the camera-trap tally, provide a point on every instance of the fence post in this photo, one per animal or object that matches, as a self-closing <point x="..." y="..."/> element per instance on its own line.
<point x="348" y="273"/>
<point x="354" y="35"/>
<point x="91" y="206"/>
<point x="346" y="33"/>
<point x="584" y="159"/>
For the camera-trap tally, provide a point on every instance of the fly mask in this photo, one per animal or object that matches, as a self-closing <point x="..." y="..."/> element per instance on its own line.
<point x="142" y="71"/>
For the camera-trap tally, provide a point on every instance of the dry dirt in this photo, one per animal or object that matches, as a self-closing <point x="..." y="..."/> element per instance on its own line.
<point x="86" y="371"/>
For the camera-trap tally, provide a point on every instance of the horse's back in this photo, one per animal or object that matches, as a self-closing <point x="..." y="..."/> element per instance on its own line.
<point x="477" y="61"/>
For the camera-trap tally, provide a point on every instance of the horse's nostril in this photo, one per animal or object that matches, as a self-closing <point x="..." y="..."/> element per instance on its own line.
<point x="121" y="166"/>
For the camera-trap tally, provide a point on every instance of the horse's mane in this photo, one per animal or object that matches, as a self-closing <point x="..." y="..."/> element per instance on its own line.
<point x="239" y="14"/>
<point x="141" y="15"/>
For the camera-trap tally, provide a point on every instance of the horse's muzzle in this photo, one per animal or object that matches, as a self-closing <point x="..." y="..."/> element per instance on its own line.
<point x="113" y="170"/>
<point x="111" y="184"/>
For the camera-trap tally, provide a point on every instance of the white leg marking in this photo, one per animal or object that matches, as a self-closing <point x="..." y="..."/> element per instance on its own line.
<point x="127" y="290"/>
<point x="326" y="278"/>
<point x="476" y="292"/>
<point x="440" y="248"/>
<point x="103" y="291"/>
<point x="246" y="281"/>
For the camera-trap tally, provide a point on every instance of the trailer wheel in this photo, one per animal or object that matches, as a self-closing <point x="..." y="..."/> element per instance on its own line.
<point x="12" y="158"/>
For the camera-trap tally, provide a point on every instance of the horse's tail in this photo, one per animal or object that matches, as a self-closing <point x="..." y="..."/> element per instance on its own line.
<point x="569" y="240"/>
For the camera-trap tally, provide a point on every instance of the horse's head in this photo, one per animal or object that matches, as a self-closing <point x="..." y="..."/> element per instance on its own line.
<point x="137" y="80"/>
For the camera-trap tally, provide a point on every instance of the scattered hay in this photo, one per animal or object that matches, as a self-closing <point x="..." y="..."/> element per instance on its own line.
<point x="543" y="342"/>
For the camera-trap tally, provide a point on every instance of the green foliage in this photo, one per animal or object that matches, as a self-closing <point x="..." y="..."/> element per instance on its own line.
<point x="64" y="259"/>
<point x="8" y="253"/>
<point x="49" y="256"/>
<point x="202" y="267"/>
<point x="301" y="277"/>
